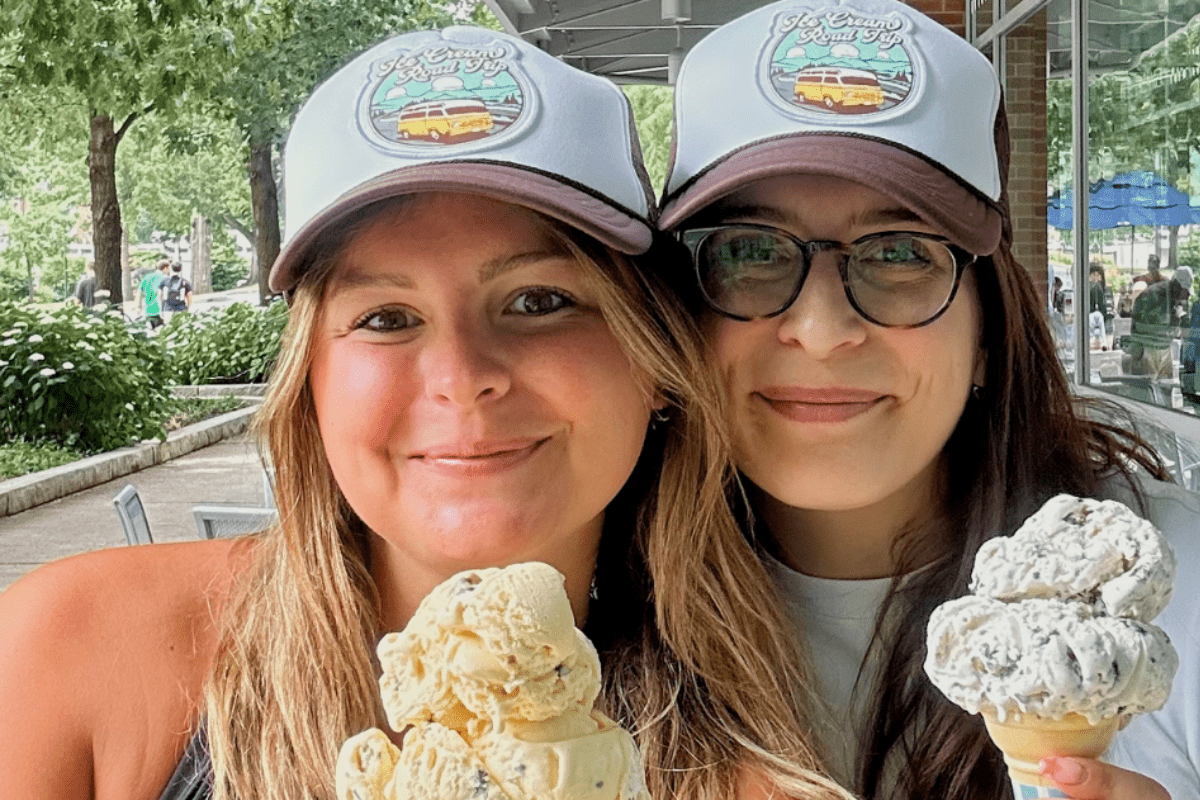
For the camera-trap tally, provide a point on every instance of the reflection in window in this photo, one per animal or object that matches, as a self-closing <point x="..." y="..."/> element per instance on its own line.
<point x="1140" y="305"/>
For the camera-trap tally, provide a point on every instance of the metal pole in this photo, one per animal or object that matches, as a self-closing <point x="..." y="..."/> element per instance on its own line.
<point x="1081" y="186"/>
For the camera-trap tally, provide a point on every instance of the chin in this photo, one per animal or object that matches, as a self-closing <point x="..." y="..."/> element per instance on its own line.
<point x="823" y="489"/>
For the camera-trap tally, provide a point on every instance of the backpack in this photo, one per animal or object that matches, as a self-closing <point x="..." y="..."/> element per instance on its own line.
<point x="174" y="287"/>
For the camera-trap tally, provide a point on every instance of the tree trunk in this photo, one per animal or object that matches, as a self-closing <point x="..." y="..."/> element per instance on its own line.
<point x="201" y="263"/>
<point x="126" y="272"/>
<point x="106" y="210"/>
<point x="252" y="274"/>
<point x="264" y="199"/>
<point x="1172" y="245"/>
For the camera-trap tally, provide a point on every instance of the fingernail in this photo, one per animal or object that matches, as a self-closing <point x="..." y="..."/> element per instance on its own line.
<point x="1066" y="771"/>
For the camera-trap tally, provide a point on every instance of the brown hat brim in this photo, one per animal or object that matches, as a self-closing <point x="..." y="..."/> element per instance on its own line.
<point x="951" y="207"/>
<point x="600" y="218"/>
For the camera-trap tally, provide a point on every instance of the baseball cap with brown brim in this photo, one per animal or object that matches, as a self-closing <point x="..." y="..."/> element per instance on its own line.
<point x="464" y="110"/>
<point x="871" y="91"/>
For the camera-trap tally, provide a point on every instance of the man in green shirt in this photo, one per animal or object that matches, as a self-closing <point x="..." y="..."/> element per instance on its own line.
<point x="150" y="293"/>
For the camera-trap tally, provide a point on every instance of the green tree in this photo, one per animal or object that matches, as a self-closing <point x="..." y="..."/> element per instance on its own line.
<point x="1143" y="118"/>
<point x="40" y="197"/>
<point x="654" y="113"/>
<point x="124" y="58"/>
<point x="267" y="87"/>
<point x="169" y="172"/>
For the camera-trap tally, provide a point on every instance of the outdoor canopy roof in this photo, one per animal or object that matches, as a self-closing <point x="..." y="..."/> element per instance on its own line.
<point x="631" y="41"/>
<point x="628" y="41"/>
<point x="1130" y="198"/>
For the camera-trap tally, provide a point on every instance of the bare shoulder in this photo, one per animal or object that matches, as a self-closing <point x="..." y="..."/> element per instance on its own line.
<point x="106" y="652"/>
<point x="78" y="603"/>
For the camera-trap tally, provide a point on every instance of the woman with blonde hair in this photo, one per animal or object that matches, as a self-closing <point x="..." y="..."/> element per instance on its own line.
<point x="476" y="372"/>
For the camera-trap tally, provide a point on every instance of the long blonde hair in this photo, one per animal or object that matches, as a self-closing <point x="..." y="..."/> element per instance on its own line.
<point x="705" y="676"/>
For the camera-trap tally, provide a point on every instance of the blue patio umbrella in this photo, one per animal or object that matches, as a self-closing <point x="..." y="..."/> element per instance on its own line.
<point x="1130" y="198"/>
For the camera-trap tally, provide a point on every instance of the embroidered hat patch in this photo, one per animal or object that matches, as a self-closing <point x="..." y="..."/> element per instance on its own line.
<point x="840" y="61"/>
<point x="445" y="94"/>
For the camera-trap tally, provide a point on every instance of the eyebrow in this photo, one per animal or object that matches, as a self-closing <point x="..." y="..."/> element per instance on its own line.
<point x="353" y="278"/>
<point x="498" y="266"/>
<point x="357" y="279"/>
<point x="776" y="216"/>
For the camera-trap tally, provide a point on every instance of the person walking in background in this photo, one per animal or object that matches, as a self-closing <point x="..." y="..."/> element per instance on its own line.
<point x="1189" y="351"/>
<point x="1152" y="275"/>
<point x="150" y="288"/>
<point x="176" y="291"/>
<point x="1125" y="301"/>
<point x="85" y="288"/>
<point x="1097" y="306"/>
<point x="1158" y="315"/>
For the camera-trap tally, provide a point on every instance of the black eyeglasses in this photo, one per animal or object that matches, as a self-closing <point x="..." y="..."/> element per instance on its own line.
<point x="895" y="279"/>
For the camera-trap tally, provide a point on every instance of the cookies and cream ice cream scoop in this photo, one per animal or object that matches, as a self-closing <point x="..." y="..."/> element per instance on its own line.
<point x="1055" y="646"/>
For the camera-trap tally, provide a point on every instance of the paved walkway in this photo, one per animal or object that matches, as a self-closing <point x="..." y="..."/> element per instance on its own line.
<point x="226" y="472"/>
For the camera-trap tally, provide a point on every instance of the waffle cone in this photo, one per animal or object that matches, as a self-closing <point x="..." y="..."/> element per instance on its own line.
<point x="1026" y="740"/>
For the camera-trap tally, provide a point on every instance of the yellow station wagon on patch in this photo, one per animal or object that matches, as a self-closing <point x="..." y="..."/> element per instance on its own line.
<point x="440" y="118"/>
<point x="838" y="86"/>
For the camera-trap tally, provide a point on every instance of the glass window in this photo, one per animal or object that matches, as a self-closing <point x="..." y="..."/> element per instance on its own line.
<point x="1134" y="286"/>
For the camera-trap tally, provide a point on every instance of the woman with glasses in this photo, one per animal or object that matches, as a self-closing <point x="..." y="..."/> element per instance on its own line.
<point x="891" y="383"/>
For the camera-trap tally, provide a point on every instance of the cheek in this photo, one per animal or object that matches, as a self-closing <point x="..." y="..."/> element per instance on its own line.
<point x="597" y="391"/>
<point x="357" y="390"/>
<point x="733" y="345"/>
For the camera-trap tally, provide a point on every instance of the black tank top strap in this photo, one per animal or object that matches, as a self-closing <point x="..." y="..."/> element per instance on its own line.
<point x="193" y="775"/>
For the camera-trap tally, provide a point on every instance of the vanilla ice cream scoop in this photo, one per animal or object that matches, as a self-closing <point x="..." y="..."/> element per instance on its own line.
<point x="493" y="687"/>
<point x="1048" y="658"/>
<point x="1094" y="551"/>
<point x="486" y="646"/>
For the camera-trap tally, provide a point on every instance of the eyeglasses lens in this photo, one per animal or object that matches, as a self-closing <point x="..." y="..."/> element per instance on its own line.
<point x="895" y="279"/>
<point x="900" y="279"/>
<point x="748" y="273"/>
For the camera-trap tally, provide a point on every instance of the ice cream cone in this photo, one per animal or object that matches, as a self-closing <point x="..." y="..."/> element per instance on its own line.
<point x="1027" y="739"/>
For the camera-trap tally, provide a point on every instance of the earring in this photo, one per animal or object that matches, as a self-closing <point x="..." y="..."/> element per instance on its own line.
<point x="976" y="391"/>
<point x="658" y="416"/>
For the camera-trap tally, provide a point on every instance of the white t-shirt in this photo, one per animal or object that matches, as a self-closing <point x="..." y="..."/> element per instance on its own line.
<point x="1166" y="744"/>
<point x="835" y="620"/>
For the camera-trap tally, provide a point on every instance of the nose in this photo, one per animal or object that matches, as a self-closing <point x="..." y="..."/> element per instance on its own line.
<point x="822" y="319"/>
<point x="463" y="366"/>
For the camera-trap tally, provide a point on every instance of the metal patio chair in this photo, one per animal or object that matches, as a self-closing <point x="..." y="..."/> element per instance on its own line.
<point x="216" y="521"/>
<point x="132" y="516"/>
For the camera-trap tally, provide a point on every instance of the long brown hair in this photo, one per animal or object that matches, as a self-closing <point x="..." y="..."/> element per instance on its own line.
<point x="1021" y="441"/>
<point x="705" y="686"/>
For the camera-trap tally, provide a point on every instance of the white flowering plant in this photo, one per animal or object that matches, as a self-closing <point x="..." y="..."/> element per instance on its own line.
<point x="79" y="379"/>
<point x="235" y="344"/>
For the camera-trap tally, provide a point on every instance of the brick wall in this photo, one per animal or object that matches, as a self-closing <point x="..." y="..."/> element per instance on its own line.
<point x="1026" y="104"/>
<point x="1026" y="100"/>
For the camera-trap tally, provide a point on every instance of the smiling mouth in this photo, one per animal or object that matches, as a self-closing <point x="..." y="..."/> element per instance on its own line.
<point x="821" y="407"/>
<point x="485" y="459"/>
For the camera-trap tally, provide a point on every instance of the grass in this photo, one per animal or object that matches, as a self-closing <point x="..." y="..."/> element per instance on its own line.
<point x="21" y="458"/>
<point x="188" y="410"/>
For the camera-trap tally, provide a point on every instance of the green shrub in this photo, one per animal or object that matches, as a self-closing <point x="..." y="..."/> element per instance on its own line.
<point x="19" y="458"/>
<point x="187" y="410"/>
<point x="78" y="379"/>
<point x="226" y="266"/>
<point x="236" y="344"/>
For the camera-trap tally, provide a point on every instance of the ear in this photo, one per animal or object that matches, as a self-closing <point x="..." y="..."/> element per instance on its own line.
<point x="980" y="376"/>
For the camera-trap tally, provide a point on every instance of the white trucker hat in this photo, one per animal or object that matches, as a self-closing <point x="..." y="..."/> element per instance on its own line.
<point x="867" y="90"/>
<point x="470" y="110"/>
